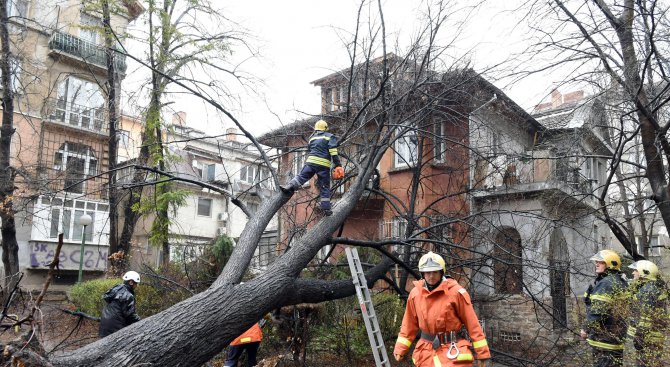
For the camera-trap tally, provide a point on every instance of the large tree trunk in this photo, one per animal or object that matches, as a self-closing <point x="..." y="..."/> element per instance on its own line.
<point x="10" y="247"/>
<point x="113" y="123"/>
<point x="192" y="332"/>
<point x="650" y="131"/>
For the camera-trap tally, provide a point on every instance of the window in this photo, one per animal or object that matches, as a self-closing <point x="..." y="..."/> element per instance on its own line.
<point x="209" y="172"/>
<point x="342" y="97"/>
<point x="204" y="171"/>
<point x="17" y="8"/>
<point x="124" y="138"/>
<point x="254" y="175"/>
<point x="406" y="148"/>
<point x="78" y="161"/>
<point x="204" y="207"/>
<point x="559" y="278"/>
<point x="266" y="252"/>
<point x="80" y="103"/>
<point x="653" y="247"/>
<point x="507" y="269"/>
<point x="329" y="96"/>
<point x="298" y="161"/>
<point x="88" y="30"/>
<point x="393" y="229"/>
<point x="440" y="143"/>
<point x="65" y="216"/>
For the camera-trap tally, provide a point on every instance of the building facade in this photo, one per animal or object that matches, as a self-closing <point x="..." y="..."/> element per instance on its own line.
<point x="226" y="163"/>
<point x="60" y="147"/>
<point x="535" y="203"/>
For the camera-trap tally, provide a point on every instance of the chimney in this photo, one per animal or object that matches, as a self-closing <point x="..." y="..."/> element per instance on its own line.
<point x="179" y="118"/>
<point x="556" y="98"/>
<point x="231" y="134"/>
<point x="573" y="96"/>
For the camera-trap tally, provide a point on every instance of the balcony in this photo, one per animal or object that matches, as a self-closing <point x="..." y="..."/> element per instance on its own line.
<point x="83" y="117"/>
<point x="538" y="172"/>
<point x="83" y="51"/>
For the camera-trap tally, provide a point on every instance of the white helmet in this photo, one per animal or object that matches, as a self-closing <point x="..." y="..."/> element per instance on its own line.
<point x="132" y="275"/>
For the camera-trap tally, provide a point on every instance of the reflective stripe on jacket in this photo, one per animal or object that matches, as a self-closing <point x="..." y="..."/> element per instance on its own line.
<point x="447" y="308"/>
<point x="649" y="312"/>
<point x="606" y="328"/>
<point x="254" y="334"/>
<point x="322" y="147"/>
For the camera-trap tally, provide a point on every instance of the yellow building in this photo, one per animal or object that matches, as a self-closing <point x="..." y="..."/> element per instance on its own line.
<point x="60" y="147"/>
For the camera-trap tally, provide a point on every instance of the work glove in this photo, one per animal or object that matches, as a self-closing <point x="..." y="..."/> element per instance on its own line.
<point x="338" y="173"/>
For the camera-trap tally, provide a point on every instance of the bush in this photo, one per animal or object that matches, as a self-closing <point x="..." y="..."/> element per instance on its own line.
<point x="341" y="328"/>
<point x="87" y="296"/>
<point x="150" y="297"/>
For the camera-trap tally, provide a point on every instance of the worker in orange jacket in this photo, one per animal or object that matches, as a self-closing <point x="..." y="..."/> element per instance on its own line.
<point x="250" y="341"/>
<point x="439" y="308"/>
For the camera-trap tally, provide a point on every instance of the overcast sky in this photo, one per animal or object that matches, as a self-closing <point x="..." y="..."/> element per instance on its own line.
<point x="300" y="41"/>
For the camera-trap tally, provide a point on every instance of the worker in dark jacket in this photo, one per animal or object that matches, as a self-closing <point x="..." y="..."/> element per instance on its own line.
<point x="321" y="149"/>
<point x="605" y="325"/>
<point x="119" y="311"/>
<point x="648" y="323"/>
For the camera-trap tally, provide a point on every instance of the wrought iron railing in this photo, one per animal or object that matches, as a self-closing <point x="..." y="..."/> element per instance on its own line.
<point x="86" y="117"/>
<point x="508" y="170"/>
<point x="87" y="51"/>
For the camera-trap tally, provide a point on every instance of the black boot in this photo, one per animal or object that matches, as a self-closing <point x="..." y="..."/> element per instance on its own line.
<point x="325" y="212"/>
<point x="289" y="188"/>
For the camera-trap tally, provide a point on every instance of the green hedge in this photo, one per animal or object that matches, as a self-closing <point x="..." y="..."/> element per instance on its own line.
<point x="149" y="300"/>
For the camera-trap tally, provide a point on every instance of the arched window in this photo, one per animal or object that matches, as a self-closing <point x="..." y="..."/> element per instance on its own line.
<point x="77" y="161"/>
<point x="559" y="265"/>
<point x="507" y="268"/>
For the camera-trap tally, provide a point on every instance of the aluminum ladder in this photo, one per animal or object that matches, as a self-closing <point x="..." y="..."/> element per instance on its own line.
<point x="367" y="308"/>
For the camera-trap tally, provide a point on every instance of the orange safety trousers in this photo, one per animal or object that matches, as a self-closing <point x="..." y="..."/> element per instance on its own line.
<point x="445" y="309"/>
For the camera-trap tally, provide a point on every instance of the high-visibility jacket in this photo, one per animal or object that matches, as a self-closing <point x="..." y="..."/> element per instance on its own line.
<point x="322" y="147"/>
<point x="648" y="321"/>
<point x="606" y="328"/>
<point x="444" y="309"/>
<point x="254" y="334"/>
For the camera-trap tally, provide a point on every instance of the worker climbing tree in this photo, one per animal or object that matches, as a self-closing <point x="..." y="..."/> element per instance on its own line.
<point x="321" y="150"/>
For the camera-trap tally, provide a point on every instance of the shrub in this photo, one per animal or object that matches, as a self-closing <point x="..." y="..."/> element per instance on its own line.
<point x="150" y="296"/>
<point x="341" y="328"/>
<point x="87" y="296"/>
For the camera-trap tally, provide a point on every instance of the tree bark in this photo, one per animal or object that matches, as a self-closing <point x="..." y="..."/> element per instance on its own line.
<point x="10" y="247"/>
<point x="193" y="331"/>
<point x="113" y="142"/>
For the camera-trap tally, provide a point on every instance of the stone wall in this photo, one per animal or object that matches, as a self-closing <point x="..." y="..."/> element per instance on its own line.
<point x="516" y="326"/>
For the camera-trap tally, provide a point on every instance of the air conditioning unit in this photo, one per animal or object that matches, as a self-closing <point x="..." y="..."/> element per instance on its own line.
<point x="221" y="231"/>
<point x="222" y="216"/>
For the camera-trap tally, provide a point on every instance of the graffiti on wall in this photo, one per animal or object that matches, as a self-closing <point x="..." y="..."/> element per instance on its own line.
<point x="42" y="253"/>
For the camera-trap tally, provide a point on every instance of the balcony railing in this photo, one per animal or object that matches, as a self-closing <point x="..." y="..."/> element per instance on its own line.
<point x="83" y="117"/>
<point x="537" y="172"/>
<point x="87" y="51"/>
